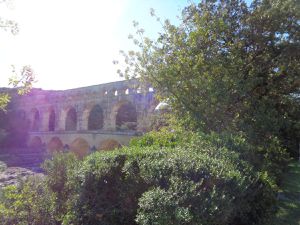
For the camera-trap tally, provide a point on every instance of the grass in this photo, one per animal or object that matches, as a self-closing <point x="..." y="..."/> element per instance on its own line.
<point x="289" y="203"/>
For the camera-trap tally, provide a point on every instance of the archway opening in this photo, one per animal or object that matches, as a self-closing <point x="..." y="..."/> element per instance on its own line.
<point x="55" y="144"/>
<point x="22" y="114"/>
<point x="35" y="143"/>
<point x="36" y="120"/>
<point x="109" y="144"/>
<point x="95" y="120"/>
<point x="71" y="120"/>
<point x="15" y="126"/>
<point x="80" y="147"/>
<point x="51" y="125"/>
<point x="126" y="118"/>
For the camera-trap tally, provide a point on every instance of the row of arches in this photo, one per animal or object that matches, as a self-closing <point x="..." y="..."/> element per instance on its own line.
<point x="127" y="91"/>
<point x="79" y="145"/>
<point x="71" y="120"/>
<point x="125" y="118"/>
<point x="36" y="121"/>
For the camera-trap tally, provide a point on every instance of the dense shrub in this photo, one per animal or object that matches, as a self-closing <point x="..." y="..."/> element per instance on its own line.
<point x="190" y="182"/>
<point x="42" y="200"/>
<point x="28" y="203"/>
<point x="192" y="185"/>
<point x="213" y="188"/>
<point x="165" y="137"/>
<point x="106" y="195"/>
<point x="269" y="156"/>
<point x="60" y="171"/>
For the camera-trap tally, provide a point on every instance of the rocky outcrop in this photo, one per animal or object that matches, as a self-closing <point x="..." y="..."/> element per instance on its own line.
<point x="13" y="175"/>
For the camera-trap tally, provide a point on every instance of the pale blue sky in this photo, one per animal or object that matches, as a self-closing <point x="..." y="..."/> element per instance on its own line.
<point x="72" y="43"/>
<point x="139" y="10"/>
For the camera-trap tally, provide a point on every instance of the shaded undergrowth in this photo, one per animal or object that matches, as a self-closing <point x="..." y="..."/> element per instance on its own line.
<point x="289" y="198"/>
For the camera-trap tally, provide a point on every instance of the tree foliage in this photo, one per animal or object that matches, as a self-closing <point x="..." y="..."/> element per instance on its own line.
<point x="23" y="80"/>
<point x="27" y="203"/>
<point x="8" y="25"/>
<point x="228" y="66"/>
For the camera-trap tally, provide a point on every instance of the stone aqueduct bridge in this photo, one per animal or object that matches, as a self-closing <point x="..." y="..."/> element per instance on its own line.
<point x="87" y="118"/>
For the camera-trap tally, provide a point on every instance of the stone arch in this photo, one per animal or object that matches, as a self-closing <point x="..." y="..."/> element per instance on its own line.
<point x="35" y="143"/>
<point x="55" y="144"/>
<point x="112" y="92"/>
<point x="115" y="92"/>
<point x="52" y="119"/>
<point x="122" y="90"/>
<point x="17" y="125"/>
<point x="36" y="119"/>
<point x="139" y="90"/>
<point x="109" y="144"/>
<point x="21" y="114"/>
<point x="4" y="118"/>
<point x="71" y="120"/>
<point x="96" y="118"/>
<point x="21" y="120"/>
<point x="103" y="92"/>
<point x="80" y="147"/>
<point x="126" y="116"/>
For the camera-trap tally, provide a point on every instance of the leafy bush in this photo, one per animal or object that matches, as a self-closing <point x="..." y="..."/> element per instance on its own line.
<point x="192" y="182"/>
<point x="270" y="156"/>
<point x="210" y="188"/>
<point x="60" y="173"/>
<point x="42" y="200"/>
<point x="166" y="137"/>
<point x="29" y="203"/>
<point x="192" y="185"/>
<point x="106" y="196"/>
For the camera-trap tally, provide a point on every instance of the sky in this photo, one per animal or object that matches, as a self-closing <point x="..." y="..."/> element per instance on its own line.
<point x="72" y="43"/>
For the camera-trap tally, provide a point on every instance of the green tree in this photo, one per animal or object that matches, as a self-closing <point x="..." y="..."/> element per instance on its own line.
<point x="228" y="66"/>
<point x="22" y="81"/>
